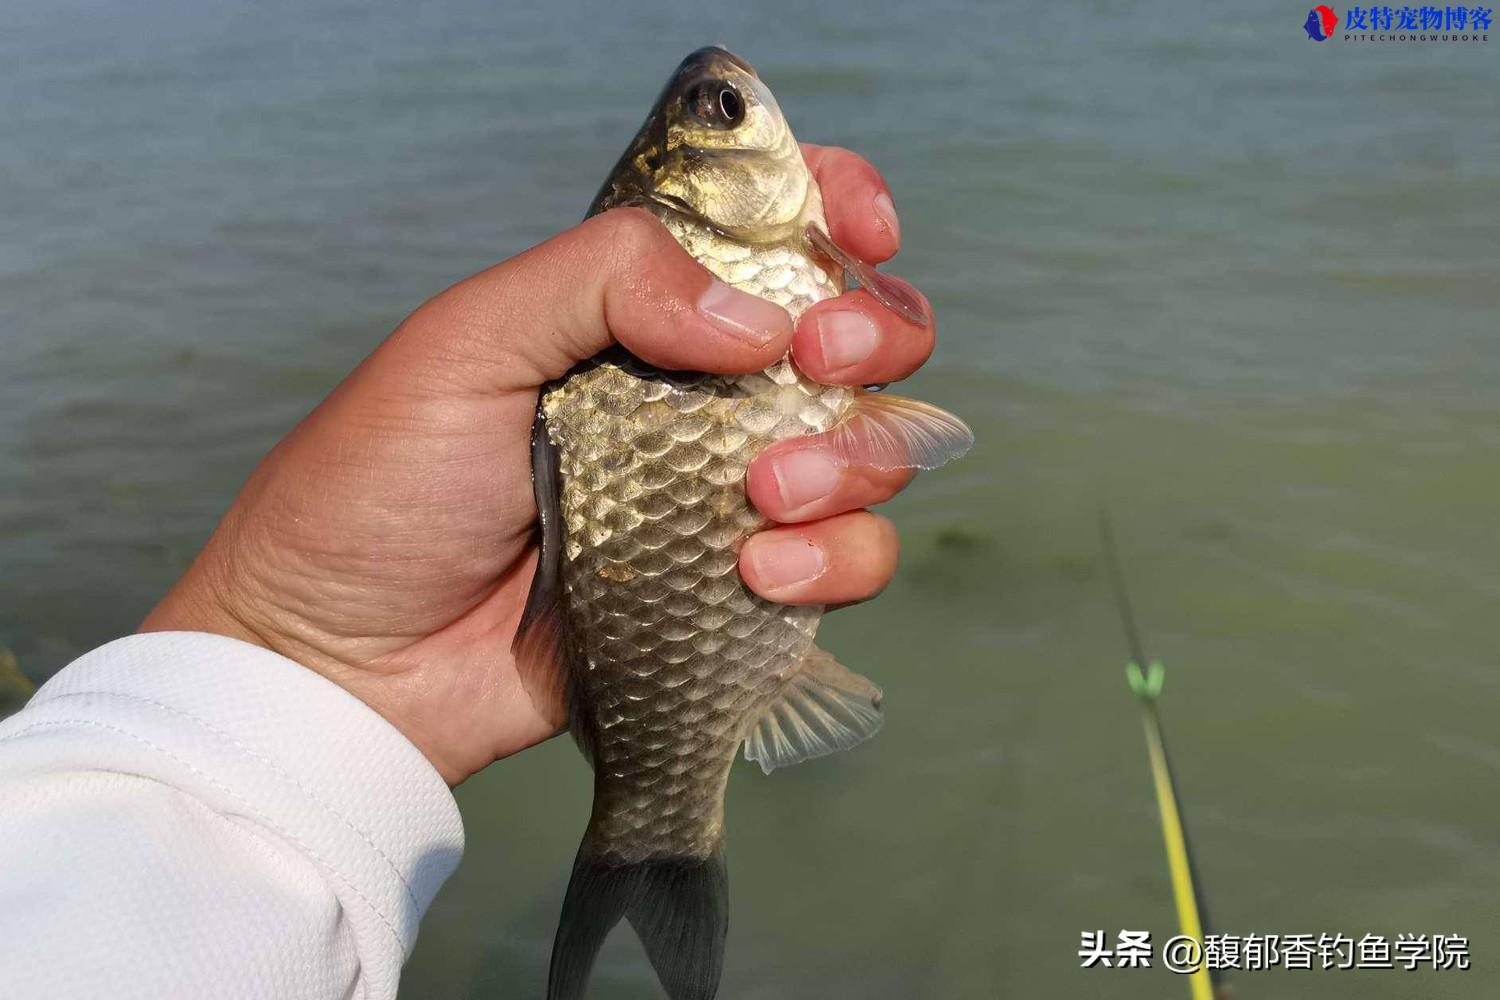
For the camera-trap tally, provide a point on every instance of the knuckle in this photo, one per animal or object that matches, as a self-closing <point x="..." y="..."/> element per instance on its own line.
<point x="627" y="234"/>
<point x="856" y="166"/>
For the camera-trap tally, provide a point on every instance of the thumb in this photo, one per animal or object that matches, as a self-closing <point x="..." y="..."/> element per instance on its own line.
<point x="619" y="277"/>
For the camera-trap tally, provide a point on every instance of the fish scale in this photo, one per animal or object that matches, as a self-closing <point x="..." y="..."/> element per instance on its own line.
<point x="678" y="656"/>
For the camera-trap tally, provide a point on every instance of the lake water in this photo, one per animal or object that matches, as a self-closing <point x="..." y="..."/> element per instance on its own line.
<point x="1239" y="286"/>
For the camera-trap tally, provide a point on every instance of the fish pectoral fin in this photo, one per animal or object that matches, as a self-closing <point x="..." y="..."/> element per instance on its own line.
<point x="891" y="292"/>
<point x="825" y="708"/>
<point x="891" y="432"/>
<point x="538" y="644"/>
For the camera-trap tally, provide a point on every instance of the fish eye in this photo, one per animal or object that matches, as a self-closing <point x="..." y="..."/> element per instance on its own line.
<point x="731" y="105"/>
<point x="716" y="104"/>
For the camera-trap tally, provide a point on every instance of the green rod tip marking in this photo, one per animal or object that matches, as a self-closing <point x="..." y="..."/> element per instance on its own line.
<point x="1146" y="684"/>
<point x="1156" y="676"/>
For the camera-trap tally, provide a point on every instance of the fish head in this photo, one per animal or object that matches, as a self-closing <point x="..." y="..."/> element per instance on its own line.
<point x="717" y="149"/>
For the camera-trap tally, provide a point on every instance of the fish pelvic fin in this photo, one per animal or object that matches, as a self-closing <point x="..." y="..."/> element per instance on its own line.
<point x="679" y="907"/>
<point x="891" y="432"/>
<point x="825" y="708"/>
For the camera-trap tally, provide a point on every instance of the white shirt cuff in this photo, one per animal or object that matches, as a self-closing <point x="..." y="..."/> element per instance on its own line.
<point x="255" y="735"/>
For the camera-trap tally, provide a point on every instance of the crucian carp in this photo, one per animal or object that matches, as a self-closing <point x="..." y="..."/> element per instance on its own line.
<point x="671" y="664"/>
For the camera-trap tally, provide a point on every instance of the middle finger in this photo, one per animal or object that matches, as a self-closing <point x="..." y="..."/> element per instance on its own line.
<point x="801" y="479"/>
<point x="854" y="340"/>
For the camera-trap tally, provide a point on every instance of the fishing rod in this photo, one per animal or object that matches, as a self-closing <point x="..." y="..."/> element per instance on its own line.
<point x="1146" y="678"/>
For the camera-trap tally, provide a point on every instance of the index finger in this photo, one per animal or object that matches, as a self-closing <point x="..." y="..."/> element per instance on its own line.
<point x="856" y="201"/>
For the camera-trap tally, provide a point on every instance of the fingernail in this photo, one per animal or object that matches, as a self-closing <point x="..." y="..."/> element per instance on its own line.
<point x="885" y="211"/>
<point x="786" y="562"/>
<point x="740" y="314"/>
<point x="804" y="477"/>
<point x="846" y="338"/>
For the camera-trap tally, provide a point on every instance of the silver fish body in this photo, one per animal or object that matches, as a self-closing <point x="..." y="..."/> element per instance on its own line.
<point x="671" y="662"/>
<point x="678" y="658"/>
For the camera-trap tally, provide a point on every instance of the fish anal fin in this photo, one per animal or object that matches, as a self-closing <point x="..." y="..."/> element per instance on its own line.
<point x="825" y="708"/>
<point x="883" y="431"/>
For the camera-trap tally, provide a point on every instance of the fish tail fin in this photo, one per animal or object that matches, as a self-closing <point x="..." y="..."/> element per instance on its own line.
<point x="678" y="906"/>
<point x="682" y="917"/>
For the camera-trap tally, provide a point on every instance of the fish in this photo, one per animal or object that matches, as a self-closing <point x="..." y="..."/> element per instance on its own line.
<point x="670" y="663"/>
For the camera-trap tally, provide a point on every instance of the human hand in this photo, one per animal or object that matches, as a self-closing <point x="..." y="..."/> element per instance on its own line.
<point x="387" y="542"/>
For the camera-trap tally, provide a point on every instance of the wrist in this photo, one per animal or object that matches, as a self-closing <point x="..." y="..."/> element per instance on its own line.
<point x="192" y="606"/>
<point x="202" y="602"/>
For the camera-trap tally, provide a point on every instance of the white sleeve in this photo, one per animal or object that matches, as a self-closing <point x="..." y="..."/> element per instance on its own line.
<point x="187" y="815"/>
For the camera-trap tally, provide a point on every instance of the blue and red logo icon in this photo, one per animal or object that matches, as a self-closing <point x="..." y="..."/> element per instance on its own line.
<point x="1320" y="22"/>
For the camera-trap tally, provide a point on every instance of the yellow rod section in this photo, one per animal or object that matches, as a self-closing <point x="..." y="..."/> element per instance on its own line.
<point x="1200" y="983"/>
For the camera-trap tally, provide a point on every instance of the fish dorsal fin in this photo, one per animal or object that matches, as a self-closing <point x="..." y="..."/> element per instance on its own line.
<point x="891" y="432"/>
<point x="825" y="708"/>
